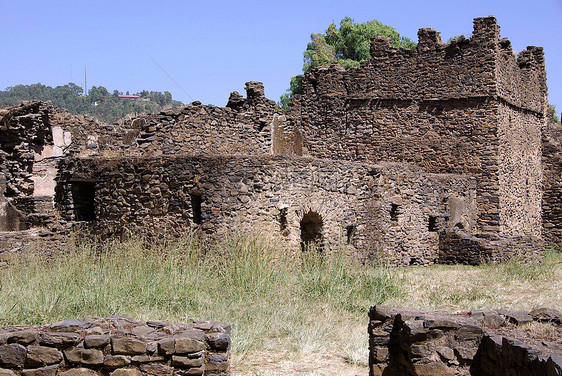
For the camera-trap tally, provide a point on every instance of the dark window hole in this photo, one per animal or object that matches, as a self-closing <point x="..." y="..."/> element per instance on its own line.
<point x="394" y="212"/>
<point x="350" y="232"/>
<point x="311" y="231"/>
<point x="433" y="225"/>
<point x="196" y="201"/>
<point x="83" y="198"/>
<point x="283" y="223"/>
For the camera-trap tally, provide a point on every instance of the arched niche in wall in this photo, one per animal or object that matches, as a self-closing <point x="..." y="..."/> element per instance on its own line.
<point x="311" y="231"/>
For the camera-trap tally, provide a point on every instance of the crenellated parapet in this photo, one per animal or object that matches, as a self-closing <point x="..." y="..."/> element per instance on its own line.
<point x="480" y="66"/>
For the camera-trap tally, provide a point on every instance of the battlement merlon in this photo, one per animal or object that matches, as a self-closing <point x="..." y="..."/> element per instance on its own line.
<point x="486" y="31"/>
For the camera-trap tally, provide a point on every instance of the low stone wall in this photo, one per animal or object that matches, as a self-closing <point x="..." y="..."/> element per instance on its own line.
<point x="392" y="212"/>
<point x="460" y="247"/>
<point x="483" y="343"/>
<point x="116" y="346"/>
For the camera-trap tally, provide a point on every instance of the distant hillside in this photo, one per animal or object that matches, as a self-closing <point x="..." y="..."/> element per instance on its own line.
<point x="105" y="106"/>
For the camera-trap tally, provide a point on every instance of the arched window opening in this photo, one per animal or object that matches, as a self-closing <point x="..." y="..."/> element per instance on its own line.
<point x="311" y="231"/>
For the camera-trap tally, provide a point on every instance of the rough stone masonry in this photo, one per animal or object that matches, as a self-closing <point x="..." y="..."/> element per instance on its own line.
<point x="480" y="343"/>
<point x="115" y="346"/>
<point x="443" y="153"/>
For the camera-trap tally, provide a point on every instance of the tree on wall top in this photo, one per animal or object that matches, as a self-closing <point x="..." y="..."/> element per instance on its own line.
<point x="349" y="45"/>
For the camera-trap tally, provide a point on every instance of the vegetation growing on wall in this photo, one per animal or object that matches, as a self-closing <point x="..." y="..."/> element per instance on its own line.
<point x="349" y="45"/>
<point x="100" y="103"/>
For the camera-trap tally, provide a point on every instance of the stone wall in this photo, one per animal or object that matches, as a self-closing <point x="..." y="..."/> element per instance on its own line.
<point x="116" y="346"/>
<point x="243" y="127"/>
<point x="520" y="172"/>
<point x="468" y="115"/>
<point x="33" y="136"/>
<point x="448" y="108"/>
<point x="391" y="211"/>
<point x="480" y="343"/>
<point x="552" y="183"/>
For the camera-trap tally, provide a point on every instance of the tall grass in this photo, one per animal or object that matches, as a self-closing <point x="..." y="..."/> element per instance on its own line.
<point x="280" y="306"/>
<point x="272" y="299"/>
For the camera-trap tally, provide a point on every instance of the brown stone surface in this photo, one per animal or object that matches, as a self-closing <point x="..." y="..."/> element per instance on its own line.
<point x="42" y="355"/>
<point x="118" y="346"/>
<point x="79" y="372"/>
<point x="443" y="153"/>
<point x="42" y="371"/>
<point x="6" y="372"/>
<point x="126" y="372"/>
<point x="96" y="340"/>
<point x="414" y="342"/>
<point x="127" y="346"/>
<point x="12" y="355"/>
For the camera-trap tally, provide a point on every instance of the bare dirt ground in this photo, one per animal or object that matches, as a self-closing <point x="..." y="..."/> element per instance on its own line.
<point x="277" y="364"/>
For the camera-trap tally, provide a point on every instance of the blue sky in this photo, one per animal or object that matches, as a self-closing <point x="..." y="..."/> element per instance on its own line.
<point x="213" y="47"/>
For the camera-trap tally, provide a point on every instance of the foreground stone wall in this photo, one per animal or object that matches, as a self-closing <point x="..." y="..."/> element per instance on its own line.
<point x="389" y="211"/>
<point x="480" y="343"/>
<point x="116" y="346"/>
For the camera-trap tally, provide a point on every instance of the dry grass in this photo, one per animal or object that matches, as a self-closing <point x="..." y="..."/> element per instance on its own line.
<point x="289" y="317"/>
<point x="511" y="285"/>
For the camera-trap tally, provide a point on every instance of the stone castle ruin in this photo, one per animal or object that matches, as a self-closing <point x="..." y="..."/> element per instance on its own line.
<point x="445" y="153"/>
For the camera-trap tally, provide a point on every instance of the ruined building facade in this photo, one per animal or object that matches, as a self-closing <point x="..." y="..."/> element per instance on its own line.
<point x="442" y="153"/>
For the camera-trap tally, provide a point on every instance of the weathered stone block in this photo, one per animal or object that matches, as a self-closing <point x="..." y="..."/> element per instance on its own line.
<point x="84" y="356"/>
<point x="184" y="361"/>
<point x="188" y="345"/>
<point x="80" y="372"/>
<point x="12" y="355"/>
<point x="23" y="337"/>
<point x="6" y="372"/>
<point x="43" y="371"/>
<point x="116" y="361"/>
<point x="147" y="358"/>
<point x="126" y="372"/>
<point x="157" y="369"/>
<point x="42" y="355"/>
<point x="59" y="340"/>
<point x="96" y="340"/>
<point x="167" y="346"/>
<point x="127" y="346"/>
<point x="433" y="369"/>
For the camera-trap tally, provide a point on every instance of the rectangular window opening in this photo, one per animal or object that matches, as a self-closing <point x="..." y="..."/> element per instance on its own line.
<point x="83" y="198"/>
<point x="433" y="224"/>
<point x="394" y="212"/>
<point x="196" y="201"/>
<point x="350" y="232"/>
<point x="283" y="223"/>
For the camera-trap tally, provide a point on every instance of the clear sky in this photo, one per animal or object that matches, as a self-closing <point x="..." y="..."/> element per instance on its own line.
<point x="213" y="47"/>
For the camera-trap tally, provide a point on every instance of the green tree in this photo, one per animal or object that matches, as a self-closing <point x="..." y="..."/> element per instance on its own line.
<point x="349" y="45"/>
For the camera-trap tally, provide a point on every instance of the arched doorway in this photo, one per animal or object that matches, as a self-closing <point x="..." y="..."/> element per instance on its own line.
<point x="311" y="231"/>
